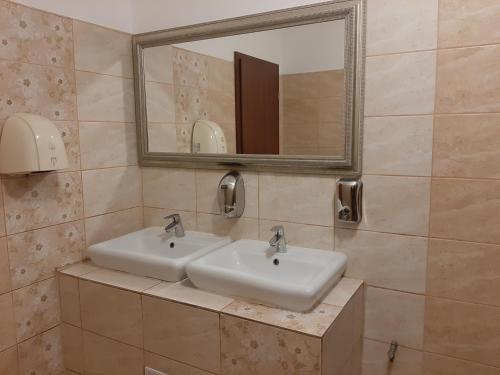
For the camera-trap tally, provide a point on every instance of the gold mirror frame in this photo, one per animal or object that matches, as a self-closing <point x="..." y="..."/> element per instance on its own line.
<point x="354" y="14"/>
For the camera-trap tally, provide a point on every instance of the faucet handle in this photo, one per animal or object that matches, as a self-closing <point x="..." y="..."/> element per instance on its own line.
<point x="175" y="217"/>
<point x="278" y="230"/>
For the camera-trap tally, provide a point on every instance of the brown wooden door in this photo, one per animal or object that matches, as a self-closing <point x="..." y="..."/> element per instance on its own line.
<point x="257" y="105"/>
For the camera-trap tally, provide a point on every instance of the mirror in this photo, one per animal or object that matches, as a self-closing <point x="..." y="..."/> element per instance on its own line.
<point x="282" y="88"/>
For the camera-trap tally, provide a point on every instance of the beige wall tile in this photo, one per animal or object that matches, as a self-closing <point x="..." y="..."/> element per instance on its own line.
<point x="375" y="361"/>
<point x="221" y="107"/>
<point x="111" y="189"/>
<point x="160" y="102"/>
<point x="42" y="354"/>
<point x="21" y="84"/>
<point x="69" y="134"/>
<point x="467" y="146"/>
<point x="102" y="50"/>
<point x="72" y="341"/>
<point x="191" y="104"/>
<point x="207" y="183"/>
<point x="158" y="64"/>
<point x="463" y="330"/>
<point x="384" y="260"/>
<point x="105" y="227"/>
<point x="190" y="68"/>
<point x="343" y="291"/>
<point x="395" y="205"/>
<point x="310" y="236"/>
<point x="35" y="255"/>
<point x="36" y="308"/>
<point x="402" y="84"/>
<point x="298" y="199"/>
<point x="95" y="148"/>
<point x="394" y="24"/>
<point x="155" y="217"/>
<point x="250" y="348"/>
<point x="398" y="145"/>
<point x="191" y="335"/>
<point x="169" y="188"/>
<point x="5" y="285"/>
<point x="163" y="138"/>
<point x="458" y="206"/>
<point x="322" y="84"/>
<point x="69" y="295"/>
<point x="105" y="356"/>
<point x="40" y="200"/>
<point x="234" y="228"/>
<point x="464" y="271"/>
<point x="8" y="362"/>
<point x="467" y="81"/>
<point x="121" y="280"/>
<point x="29" y="35"/>
<point x="107" y="311"/>
<point x="104" y="98"/>
<point x="79" y="269"/>
<point x="468" y="22"/>
<point x="7" y="324"/>
<point x="392" y="315"/>
<point x="440" y="365"/>
<point x="169" y="366"/>
<point x="220" y="75"/>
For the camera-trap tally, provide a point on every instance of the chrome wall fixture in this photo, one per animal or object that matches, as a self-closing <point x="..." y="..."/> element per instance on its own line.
<point x="232" y="195"/>
<point x="349" y="199"/>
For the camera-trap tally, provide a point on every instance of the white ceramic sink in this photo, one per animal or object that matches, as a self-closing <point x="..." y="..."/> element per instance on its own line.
<point x="153" y="252"/>
<point x="295" y="280"/>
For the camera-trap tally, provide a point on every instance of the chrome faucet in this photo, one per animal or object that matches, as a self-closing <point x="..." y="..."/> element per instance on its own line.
<point x="278" y="240"/>
<point x="176" y="225"/>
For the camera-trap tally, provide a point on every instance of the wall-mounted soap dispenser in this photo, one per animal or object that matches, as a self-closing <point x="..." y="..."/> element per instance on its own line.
<point x="232" y="195"/>
<point x="31" y="143"/>
<point x="349" y="195"/>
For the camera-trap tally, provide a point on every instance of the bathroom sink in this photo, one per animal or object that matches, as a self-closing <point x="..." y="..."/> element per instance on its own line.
<point x="295" y="280"/>
<point x="154" y="253"/>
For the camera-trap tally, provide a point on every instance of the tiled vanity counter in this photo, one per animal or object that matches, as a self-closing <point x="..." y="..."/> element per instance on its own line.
<point x="117" y="323"/>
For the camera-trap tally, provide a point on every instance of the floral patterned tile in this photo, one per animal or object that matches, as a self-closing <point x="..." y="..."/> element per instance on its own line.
<point x="315" y="322"/>
<point x="35" y="255"/>
<point x="30" y="35"/>
<point x="42" y="354"/>
<point x="36" y="201"/>
<point x="69" y="134"/>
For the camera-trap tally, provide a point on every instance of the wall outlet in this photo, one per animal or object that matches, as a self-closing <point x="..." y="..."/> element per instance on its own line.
<point x="150" y="371"/>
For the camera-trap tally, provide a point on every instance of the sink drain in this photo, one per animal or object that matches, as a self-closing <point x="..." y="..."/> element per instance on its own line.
<point x="276" y="262"/>
<point x="172" y="245"/>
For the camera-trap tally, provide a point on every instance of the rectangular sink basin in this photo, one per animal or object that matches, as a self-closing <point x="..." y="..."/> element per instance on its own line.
<point x="296" y="280"/>
<point x="154" y="253"/>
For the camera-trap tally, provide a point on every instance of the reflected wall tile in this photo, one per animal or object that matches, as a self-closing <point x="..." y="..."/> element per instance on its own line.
<point x="155" y="217"/>
<point x="467" y="80"/>
<point x="300" y="110"/>
<point x="8" y="362"/>
<point x="440" y="365"/>
<point x="163" y="138"/>
<point x="467" y="146"/>
<point x="111" y="189"/>
<point x="310" y="236"/>
<point x="7" y="323"/>
<point x="21" y="85"/>
<point x="234" y="228"/>
<point x="458" y="206"/>
<point x="313" y="84"/>
<point x="463" y="330"/>
<point x="160" y="102"/>
<point x="72" y="341"/>
<point x="102" y="50"/>
<point x="69" y="134"/>
<point x="464" y="271"/>
<point x="392" y="315"/>
<point x="402" y="84"/>
<point x="468" y="22"/>
<point x="30" y="35"/>
<point x="106" y="356"/>
<point x="36" y="201"/>
<point x="395" y="205"/>
<point x="169" y="366"/>
<point x="35" y="255"/>
<point x="95" y="149"/>
<point x="116" y="224"/>
<point x="69" y="295"/>
<point x="42" y="354"/>
<point x="221" y="107"/>
<point x="169" y="188"/>
<point x="5" y="285"/>
<point x="298" y="199"/>
<point x="36" y="308"/>
<point x="221" y="75"/>
<point x="398" y="145"/>
<point x="249" y="348"/>
<point x="332" y="135"/>
<point x="191" y="104"/>
<point x="385" y="260"/>
<point x="303" y="135"/>
<point x="207" y="182"/>
<point x="104" y="98"/>
<point x="393" y="25"/>
<point x="190" y="68"/>
<point x="158" y="64"/>
<point x="375" y="361"/>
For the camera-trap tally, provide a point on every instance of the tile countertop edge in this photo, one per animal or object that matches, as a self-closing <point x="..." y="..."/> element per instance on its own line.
<point x="336" y="299"/>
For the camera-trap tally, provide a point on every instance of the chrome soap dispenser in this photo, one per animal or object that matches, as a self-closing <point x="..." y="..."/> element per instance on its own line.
<point x="232" y="195"/>
<point x="349" y="194"/>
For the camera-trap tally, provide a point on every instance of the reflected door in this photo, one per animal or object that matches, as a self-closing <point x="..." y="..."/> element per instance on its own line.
<point x="257" y="105"/>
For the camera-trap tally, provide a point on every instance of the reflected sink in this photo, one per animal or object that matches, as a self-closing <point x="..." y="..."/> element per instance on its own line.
<point x="295" y="280"/>
<point x="154" y="253"/>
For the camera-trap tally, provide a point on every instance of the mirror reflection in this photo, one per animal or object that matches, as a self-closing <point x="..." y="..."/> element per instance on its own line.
<point x="275" y="92"/>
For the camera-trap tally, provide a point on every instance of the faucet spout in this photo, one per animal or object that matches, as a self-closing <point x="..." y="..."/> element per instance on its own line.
<point x="175" y="225"/>
<point x="278" y="240"/>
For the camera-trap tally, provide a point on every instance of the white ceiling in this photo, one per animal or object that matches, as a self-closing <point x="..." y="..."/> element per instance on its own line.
<point x="138" y="16"/>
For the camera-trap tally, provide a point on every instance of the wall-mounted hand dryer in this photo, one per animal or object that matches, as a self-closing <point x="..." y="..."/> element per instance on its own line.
<point x="31" y="143"/>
